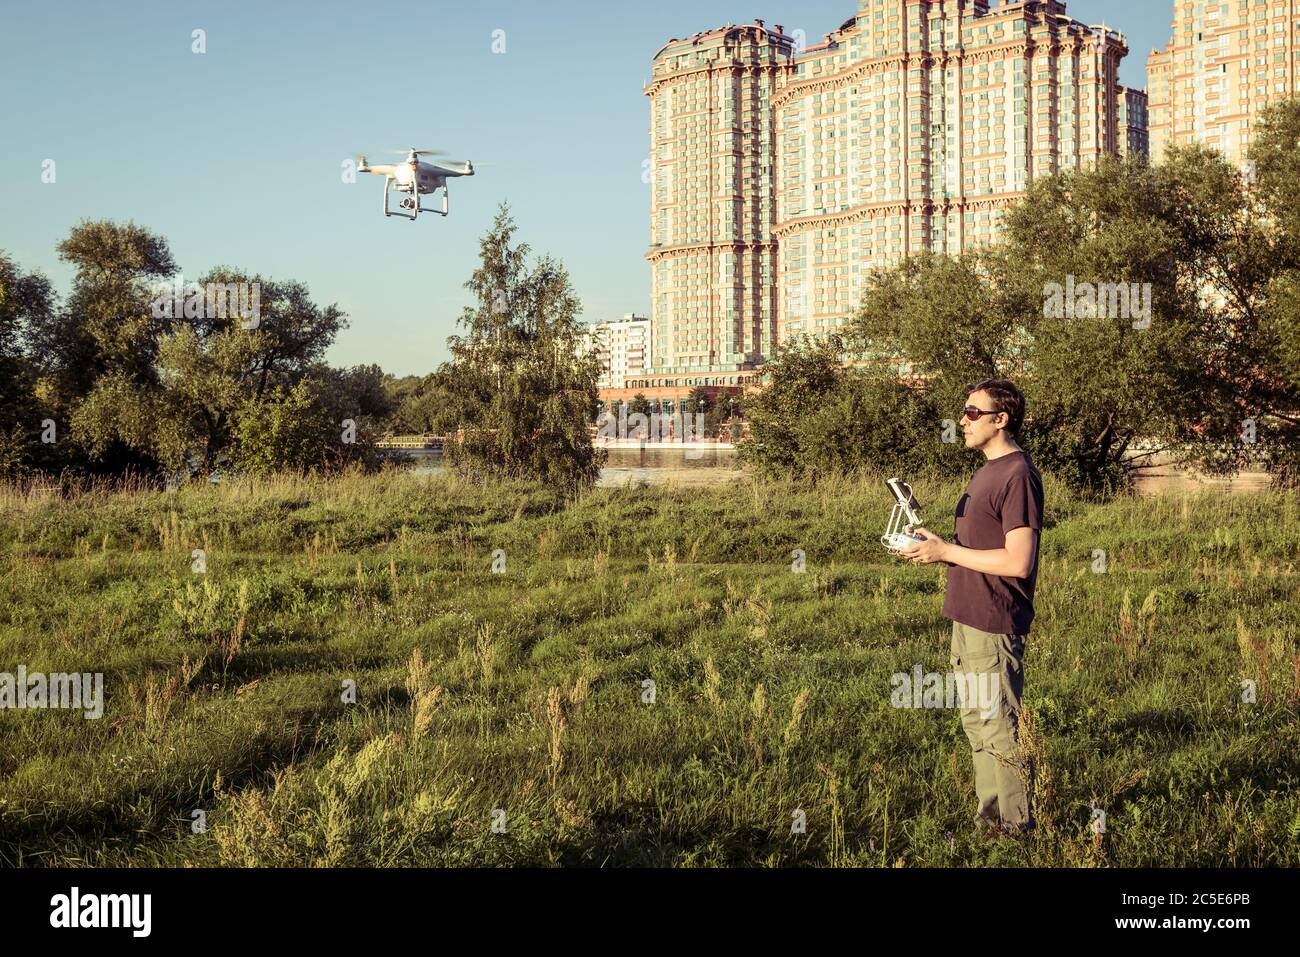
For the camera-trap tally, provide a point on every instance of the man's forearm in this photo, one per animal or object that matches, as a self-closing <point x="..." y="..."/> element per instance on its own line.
<point x="990" y="561"/>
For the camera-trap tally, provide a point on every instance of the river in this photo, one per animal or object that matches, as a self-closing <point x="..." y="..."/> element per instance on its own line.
<point x="714" y="467"/>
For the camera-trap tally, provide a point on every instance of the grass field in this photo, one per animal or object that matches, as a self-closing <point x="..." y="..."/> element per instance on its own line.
<point x="504" y="717"/>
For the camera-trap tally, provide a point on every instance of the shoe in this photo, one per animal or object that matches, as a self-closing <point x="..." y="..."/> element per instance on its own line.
<point x="993" y="832"/>
<point x="986" y="829"/>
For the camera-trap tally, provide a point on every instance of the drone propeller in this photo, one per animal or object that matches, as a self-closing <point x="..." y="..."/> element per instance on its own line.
<point x="411" y="150"/>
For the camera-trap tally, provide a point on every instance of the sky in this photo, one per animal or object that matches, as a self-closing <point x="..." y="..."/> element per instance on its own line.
<point x="235" y="155"/>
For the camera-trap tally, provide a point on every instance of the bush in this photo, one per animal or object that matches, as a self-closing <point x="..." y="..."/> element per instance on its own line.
<point x="816" y="417"/>
<point x="283" y="431"/>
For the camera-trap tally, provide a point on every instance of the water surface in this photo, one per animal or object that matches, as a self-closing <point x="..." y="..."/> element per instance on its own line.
<point x="718" y="466"/>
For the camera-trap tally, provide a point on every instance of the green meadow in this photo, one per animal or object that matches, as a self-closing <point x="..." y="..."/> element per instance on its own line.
<point x="644" y="679"/>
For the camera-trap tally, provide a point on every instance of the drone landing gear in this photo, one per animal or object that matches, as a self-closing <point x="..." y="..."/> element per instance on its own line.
<point x="388" y="181"/>
<point x="411" y="204"/>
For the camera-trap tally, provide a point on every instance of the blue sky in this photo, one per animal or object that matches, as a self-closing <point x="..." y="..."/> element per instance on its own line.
<point x="234" y="155"/>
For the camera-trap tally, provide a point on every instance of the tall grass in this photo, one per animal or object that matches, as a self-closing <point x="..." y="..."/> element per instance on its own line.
<point x="647" y="680"/>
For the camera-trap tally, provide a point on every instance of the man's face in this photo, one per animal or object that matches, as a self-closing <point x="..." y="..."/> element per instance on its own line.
<point x="983" y="430"/>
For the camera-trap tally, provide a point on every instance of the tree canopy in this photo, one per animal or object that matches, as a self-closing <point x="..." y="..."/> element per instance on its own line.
<point x="517" y="388"/>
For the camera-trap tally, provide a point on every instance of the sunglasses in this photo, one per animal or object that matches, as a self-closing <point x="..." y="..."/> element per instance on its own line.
<point x="974" y="414"/>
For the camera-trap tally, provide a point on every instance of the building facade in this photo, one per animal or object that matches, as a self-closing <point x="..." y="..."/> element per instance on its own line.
<point x="1225" y="62"/>
<point x="1134" y="137"/>
<point x="623" y="347"/>
<point x="782" y="174"/>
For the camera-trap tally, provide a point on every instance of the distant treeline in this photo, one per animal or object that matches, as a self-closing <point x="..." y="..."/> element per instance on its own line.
<point x="118" y="377"/>
<point x="138" y="372"/>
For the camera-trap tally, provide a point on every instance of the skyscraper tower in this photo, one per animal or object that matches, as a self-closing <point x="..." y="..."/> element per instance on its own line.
<point x="712" y="253"/>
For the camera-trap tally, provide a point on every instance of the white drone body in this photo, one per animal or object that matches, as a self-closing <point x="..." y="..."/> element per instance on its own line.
<point x="416" y="177"/>
<point x="905" y="516"/>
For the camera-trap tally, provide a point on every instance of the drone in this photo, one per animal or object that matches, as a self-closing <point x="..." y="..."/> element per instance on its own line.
<point x="416" y="177"/>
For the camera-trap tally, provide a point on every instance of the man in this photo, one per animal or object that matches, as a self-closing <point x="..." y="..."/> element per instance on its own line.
<point x="992" y="566"/>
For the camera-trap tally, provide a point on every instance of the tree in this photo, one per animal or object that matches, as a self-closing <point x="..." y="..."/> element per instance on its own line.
<point x="358" y="408"/>
<point x="1095" y="303"/>
<point x="732" y="412"/>
<point x="416" y="401"/>
<point x="140" y="381"/>
<point x="699" y="400"/>
<point x="214" y="364"/>
<point x="1102" y="378"/>
<point x="106" y="329"/>
<point x="26" y="299"/>
<point x="204" y="368"/>
<point x="282" y="430"/>
<point x="358" y="392"/>
<point x="516" y="384"/>
<point x="328" y="419"/>
<point x="1264" y="245"/>
<point x="800" y="377"/>
<point x="817" y="417"/>
<point x="951" y="320"/>
<point x="109" y="323"/>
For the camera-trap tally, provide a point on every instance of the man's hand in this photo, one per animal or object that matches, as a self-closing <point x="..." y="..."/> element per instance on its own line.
<point x="933" y="549"/>
<point x="1017" y="559"/>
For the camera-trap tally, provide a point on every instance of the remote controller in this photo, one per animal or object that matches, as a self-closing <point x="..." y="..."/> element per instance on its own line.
<point x="905" y="516"/>
<point x="902" y="540"/>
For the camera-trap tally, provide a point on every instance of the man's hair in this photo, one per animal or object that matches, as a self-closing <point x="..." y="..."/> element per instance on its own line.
<point x="1006" y="398"/>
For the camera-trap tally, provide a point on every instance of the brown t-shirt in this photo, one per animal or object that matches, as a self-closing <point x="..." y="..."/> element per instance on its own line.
<point x="1007" y="493"/>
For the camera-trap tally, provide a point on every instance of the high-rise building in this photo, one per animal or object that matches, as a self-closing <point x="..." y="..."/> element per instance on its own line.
<point x="622" y="346"/>
<point x="782" y="174"/>
<point x="1133" y="135"/>
<point x="1226" y="61"/>
<point x="713" y="206"/>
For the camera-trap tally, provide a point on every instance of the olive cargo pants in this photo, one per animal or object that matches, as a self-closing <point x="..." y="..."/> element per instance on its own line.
<point x="1001" y="791"/>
